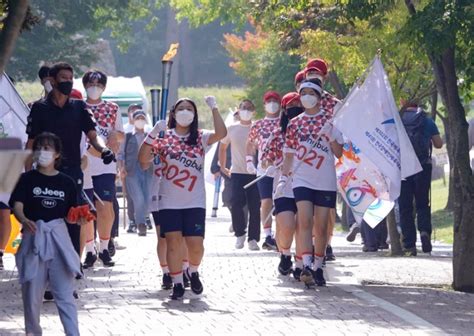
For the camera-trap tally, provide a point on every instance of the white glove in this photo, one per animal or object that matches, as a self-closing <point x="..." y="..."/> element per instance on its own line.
<point x="281" y="186"/>
<point x="270" y="172"/>
<point x="160" y="126"/>
<point x="211" y="102"/>
<point x="250" y="166"/>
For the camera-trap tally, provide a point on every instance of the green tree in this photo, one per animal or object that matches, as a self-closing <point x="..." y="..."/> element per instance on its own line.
<point x="262" y="64"/>
<point x="444" y="30"/>
<point x="68" y="30"/>
<point x="12" y="14"/>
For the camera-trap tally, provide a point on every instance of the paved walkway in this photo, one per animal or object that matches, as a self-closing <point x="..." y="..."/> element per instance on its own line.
<point x="245" y="295"/>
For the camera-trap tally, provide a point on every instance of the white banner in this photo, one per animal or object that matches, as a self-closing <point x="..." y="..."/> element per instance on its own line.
<point x="13" y="116"/>
<point x="369" y="175"/>
<point x="13" y="111"/>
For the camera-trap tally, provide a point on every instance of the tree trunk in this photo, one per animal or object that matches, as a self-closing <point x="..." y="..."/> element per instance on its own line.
<point x="450" y="202"/>
<point x="11" y="29"/>
<point x="395" y="245"/>
<point x="463" y="181"/>
<point x="337" y="85"/>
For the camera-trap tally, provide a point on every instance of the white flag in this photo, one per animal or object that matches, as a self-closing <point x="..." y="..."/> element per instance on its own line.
<point x="13" y="115"/>
<point x="13" y="111"/>
<point x="384" y="155"/>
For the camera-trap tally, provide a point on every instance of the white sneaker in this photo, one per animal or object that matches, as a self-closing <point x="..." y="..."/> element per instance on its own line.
<point x="253" y="245"/>
<point x="239" y="244"/>
<point x="119" y="246"/>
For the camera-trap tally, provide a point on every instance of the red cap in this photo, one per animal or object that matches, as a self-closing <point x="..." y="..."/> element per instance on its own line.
<point x="299" y="76"/>
<point x="408" y="104"/>
<point x="288" y="98"/>
<point x="317" y="64"/>
<point x="76" y="94"/>
<point x="271" y="94"/>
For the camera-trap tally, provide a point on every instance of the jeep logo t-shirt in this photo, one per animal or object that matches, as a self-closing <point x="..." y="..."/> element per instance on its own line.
<point x="44" y="197"/>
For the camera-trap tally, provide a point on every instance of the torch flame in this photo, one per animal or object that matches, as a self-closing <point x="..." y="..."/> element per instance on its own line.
<point x="171" y="52"/>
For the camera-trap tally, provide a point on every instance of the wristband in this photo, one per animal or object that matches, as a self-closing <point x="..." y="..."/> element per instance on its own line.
<point x="249" y="158"/>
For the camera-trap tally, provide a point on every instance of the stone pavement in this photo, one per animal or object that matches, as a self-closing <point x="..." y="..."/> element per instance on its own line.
<point x="367" y="294"/>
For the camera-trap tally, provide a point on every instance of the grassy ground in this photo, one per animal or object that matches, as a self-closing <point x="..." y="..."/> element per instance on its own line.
<point x="226" y="97"/>
<point x="442" y="220"/>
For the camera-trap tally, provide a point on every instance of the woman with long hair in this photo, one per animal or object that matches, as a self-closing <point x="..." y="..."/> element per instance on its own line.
<point x="310" y="146"/>
<point x="182" y="199"/>
<point x="284" y="204"/>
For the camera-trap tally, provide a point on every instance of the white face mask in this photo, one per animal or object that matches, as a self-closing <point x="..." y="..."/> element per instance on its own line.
<point x="315" y="76"/>
<point x="48" y="87"/>
<point x="245" y="115"/>
<point x="272" y="107"/>
<point x="140" y="124"/>
<point x="184" y="117"/>
<point x="94" y="92"/>
<point x="45" y="158"/>
<point x="309" y="101"/>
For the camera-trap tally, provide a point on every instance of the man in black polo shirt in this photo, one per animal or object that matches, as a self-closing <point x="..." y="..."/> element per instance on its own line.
<point x="68" y="119"/>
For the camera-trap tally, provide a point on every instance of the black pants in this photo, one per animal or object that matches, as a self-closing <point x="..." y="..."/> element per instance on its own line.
<point x="374" y="238"/>
<point x="240" y="199"/>
<point x="415" y="187"/>
<point x="75" y="230"/>
<point x="115" y="226"/>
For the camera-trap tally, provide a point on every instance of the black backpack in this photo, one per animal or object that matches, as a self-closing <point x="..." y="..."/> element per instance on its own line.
<point x="415" y="127"/>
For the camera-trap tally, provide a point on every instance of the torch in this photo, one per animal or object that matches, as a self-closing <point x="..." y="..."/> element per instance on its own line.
<point x="155" y="105"/>
<point x="167" y="62"/>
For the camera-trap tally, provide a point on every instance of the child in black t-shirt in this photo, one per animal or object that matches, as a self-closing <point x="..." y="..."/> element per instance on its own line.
<point x="41" y="201"/>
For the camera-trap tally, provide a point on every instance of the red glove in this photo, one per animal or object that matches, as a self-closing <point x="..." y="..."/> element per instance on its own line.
<point x="75" y="213"/>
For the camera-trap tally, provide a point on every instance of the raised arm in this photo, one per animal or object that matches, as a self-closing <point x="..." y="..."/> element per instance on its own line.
<point x="220" y="130"/>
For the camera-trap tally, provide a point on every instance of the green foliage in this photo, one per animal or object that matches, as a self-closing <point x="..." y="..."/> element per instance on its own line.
<point x="201" y="12"/>
<point x="438" y="25"/>
<point x="68" y="30"/>
<point x="262" y="64"/>
<point x="119" y="16"/>
<point x="408" y="68"/>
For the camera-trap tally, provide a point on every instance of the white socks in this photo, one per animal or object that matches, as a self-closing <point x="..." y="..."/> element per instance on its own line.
<point x="177" y="278"/>
<point x="90" y="246"/>
<point x="193" y="269"/>
<point x="165" y="269"/>
<point x="286" y="252"/>
<point x="307" y="259"/>
<point x="267" y="231"/>
<point x="185" y="265"/>
<point x="318" y="262"/>
<point x="104" y="244"/>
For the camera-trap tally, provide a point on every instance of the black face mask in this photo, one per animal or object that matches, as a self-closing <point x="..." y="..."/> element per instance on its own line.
<point x="65" y="87"/>
<point x="294" y="111"/>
